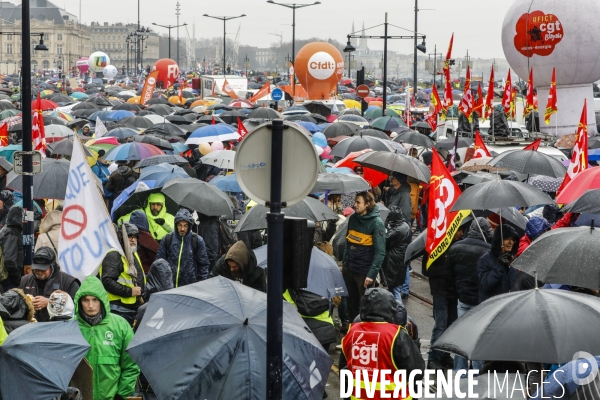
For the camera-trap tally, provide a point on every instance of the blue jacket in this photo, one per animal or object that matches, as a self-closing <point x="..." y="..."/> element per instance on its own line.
<point x="187" y="266"/>
<point x="102" y="172"/>
<point x="496" y="277"/>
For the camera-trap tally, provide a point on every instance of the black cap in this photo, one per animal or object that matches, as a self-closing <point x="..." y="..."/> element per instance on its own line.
<point x="43" y="259"/>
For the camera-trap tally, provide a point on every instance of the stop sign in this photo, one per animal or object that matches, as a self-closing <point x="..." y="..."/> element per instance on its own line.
<point x="362" y="91"/>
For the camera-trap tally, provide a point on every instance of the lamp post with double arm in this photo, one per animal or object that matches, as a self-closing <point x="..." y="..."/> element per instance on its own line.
<point x="224" y="19"/>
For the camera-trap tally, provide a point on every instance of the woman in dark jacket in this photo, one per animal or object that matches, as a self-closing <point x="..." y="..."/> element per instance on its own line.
<point x="11" y="240"/>
<point x="398" y="237"/>
<point x="495" y="274"/>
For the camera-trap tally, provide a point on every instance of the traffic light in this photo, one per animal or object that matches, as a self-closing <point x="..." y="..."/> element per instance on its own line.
<point x="452" y="61"/>
<point x="298" y="241"/>
<point x="360" y="76"/>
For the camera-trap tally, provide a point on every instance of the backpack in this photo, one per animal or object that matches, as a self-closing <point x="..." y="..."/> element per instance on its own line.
<point x="226" y="237"/>
<point x="169" y="239"/>
<point x="308" y="303"/>
<point x="3" y="271"/>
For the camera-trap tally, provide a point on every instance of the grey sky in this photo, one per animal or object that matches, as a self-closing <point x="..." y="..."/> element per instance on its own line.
<point x="477" y="24"/>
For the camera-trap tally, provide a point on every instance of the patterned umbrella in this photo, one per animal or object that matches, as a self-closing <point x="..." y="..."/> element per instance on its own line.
<point x="213" y="133"/>
<point x="132" y="152"/>
<point x="161" y="159"/>
<point x="545" y="183"/>
<point x="119" y="115"/>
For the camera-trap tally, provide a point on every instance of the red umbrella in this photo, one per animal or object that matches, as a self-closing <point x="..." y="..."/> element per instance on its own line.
<point x="78" y="89"/>
<point x="331" y="117"/>
<point x="46" y="105"/>
<point x="586" y="180"/>
<point x="369" y="99"/>
<point x="370" y="175"/>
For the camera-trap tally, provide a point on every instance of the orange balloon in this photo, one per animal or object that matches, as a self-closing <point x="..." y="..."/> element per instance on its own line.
<point x="168" y="71"/>
<point x="319" y="67"/>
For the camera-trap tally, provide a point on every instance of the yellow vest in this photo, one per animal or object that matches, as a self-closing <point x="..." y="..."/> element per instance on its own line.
<point x="324" y="316"/>
<point x="126" y="280"/>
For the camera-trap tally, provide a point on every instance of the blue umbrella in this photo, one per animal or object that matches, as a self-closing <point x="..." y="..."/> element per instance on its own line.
<point x="324" y="276"/>
<point x="309" y="126"/>
<point x="162" y="173"/>
<point x="179" y="147"/>
<point x="7" y="151"/>
<point x="119" y="115"/>
<point x="319" y="139"/>
<point x="341" y="170"/>
<point x="213" y="133"/>
<point x="125" y="194"/>
<point x="227" y="183"/>
<point x="103" y="115"/>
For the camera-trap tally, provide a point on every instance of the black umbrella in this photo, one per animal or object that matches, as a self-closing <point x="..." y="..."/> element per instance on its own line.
<point x="339" y="240"/>
<point x="208" y="340"/>
<point x="358" y="142"/>
<point x="139" y="200"/>
<point x="306" y="118"/>
<point x="60" y="98"/>
<point x="192" y="127"/>
<point x="123" y="133"/>
<point x="448" y="144"/>
<point x="65" y="147"/>
<point x="199" y="196"/>
<point x="500" y="193"/>
<point x="208" y="119"/>
<point x="219" y="106"/>
<point x="137" y="122"/>
<point x="145" y="112"/>
<point x="99" y="101"/>
<point x="475" y="178"/>
<point x="350" y="111"/>
<point x="414" y="138"/>
<point x="529" y="162"/>
<point x="264" y="113"/>
<point x="340" y="129"/>
<point x="336" y="183"/>
<point x="153" y="140"/>
<point x="308" y="208"/>
<point x="86" y="106"/>
<point x="38" y="360"/>
<point x="79" y="123"/>
<point x="319" y="118"/>
<point x="178" y="119"/>
<point x="128" y="107"/>
<point x="317" y="108"/>
<point x="416" y="248"/>
<point x="387" y="162"/>
<point x="165" y="129"/>
<point x="567" y="256"/>
<point x="51" y="183"/>
<point x="160" y="109"/>
<point x="159" y="100"/>
<point x="84" y="113"/>
<point x="172" y="159"/>
<point x="373" y="133"/>
<point x="231" y="117"/>
<point x="588" y="203"/>
<point x="526" y="326"/>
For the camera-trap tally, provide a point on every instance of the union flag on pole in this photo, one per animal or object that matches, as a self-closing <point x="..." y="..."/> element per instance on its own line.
<point x="242" y="131"/>
<point x="507" y="95"/>
<point x="442" y="224"/>
<point x="534" y="145"/>
<point x="478" y="106"/>
<point x="435" y="106"/>
<point x="447" y="103"/>
<point x="529" y="106"/>
<point x="551" y="106"/>
<point x="513" y="103"/>
<point x="4" y="135"/>
<point x="229" y="90"/>
<point x="262" y="92"/>
<point x="579" y="159"/>
<point x="489" y="99"/>
<point x="480" y="148"/>
<point x="466" y="103"/>
<point x="38" y="134"/>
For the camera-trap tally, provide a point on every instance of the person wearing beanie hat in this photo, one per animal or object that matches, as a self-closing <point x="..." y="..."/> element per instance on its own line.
<point x="239" y="264"/>
<point x="44" y="279"/>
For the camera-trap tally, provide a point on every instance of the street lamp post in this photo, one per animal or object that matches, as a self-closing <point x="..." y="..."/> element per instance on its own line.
<point x="293" y="6"/>
<point x="435" y="54"/>
<point x="246" y="64"/>
<point x="224" y="19"/>
<point x="349" y="49"/>
<point x="169" y="27"/>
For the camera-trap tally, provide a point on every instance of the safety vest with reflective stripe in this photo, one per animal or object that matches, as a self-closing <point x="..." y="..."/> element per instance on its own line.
<point x="125" y="279"/>
<point x="369" y="346"/>
<point x="324" y="316"/>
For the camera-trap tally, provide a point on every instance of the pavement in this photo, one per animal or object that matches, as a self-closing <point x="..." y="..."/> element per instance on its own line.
<point x="419" y="308"/>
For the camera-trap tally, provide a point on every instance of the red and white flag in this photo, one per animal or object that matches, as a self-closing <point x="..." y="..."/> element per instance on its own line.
<point x="534" y="145"/>
<point x="489" y="99"/>
<point x="4" y="135"/>
<point x="579" y="159"/>
<point x="38" y="134"/>
<point x="480" y="148"/>
<point x="507" y="95"/>
<point x="242" y="131"/>
<point x="466" y="103"/>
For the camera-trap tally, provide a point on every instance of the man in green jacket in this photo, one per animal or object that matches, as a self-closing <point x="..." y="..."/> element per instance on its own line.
<point x="365" y="250"/>
<point x="115" y="372"/>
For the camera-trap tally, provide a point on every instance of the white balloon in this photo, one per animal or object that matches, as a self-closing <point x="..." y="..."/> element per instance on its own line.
<point x="109" y="71"/>
<point x="98" y="61"/>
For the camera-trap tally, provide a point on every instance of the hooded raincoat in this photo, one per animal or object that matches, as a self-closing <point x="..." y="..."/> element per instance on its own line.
<point x="189" y="263"/>
<point x="50" y="232"/>
<point x="398" y="237"/>
<point x="120" y="179"/>
<point x="252" y="275"/>
<point x="115" y="372"/>
<point x="161" y="224"/>
<point x="3" y="334"/>
<point x="11" y="240"/>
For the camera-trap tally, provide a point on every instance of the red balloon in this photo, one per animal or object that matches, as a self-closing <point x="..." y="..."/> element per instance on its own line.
<point x="168" y="71"/>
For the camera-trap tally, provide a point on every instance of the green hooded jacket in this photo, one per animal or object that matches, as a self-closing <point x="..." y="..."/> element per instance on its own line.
<point x="3" y="334"/>
<point x="115" y="372"/>
<point x="365" y="244"/>
<point x="159" y="231"/>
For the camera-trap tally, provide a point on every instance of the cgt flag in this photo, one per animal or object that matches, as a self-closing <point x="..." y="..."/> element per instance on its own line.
<point x="489" y="98"/>
<point x="38" y="133"/>
<point x="86" y="231"/>
<point x="4" y="134"/>
<point x="442" y="224"/>
<point x="507" y="95"/>
<point x="480" y="148"/>
<point x="262" y="92"/>
<point x="149" y="86"/>
<point x="534" y="145"/>
<point x="466" y="103"/>
<point x="242" y="131"/>
<point x="228" y="90"/>
<point x="551" y="106"/>
<point x="529" y="103"/>
<point x="448" y="101"/>
<point x="579" y="159"/>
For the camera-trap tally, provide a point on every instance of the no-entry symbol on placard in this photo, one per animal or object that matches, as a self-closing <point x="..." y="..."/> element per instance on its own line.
<point x="73" y="217"/>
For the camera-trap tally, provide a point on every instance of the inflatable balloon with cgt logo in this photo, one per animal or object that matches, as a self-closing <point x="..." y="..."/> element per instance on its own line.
<point x="319" y="67"/>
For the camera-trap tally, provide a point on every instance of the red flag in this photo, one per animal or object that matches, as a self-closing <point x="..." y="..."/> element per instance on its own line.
<point x="478" y="106"/>
<point x="579" y="159"/>
<point x="212" y="119"/>
<point x="481" y="149"/>
<point x="513" y="102"/>
<point x="533" y="146"/>
<point x="431" y="119"/>
<point x="442" y="224"/>
<point x="38" y="134"/>
<point x="242" y="131"/>
<point x="149" y="86"/>
<point x="435" y="101"/>
<point x="466" y="103"/>
<point x="529" y="105"/>
<point x="489" y="99"/>
<point x="229" y="90"/>
<point x="180" y="92"/>
<point x="507" y="95"/>
<point x="4" y="135"/>
<point x="551" y="106"/>
<point x="448" y="102"/>
<point x="262" y="92"/>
